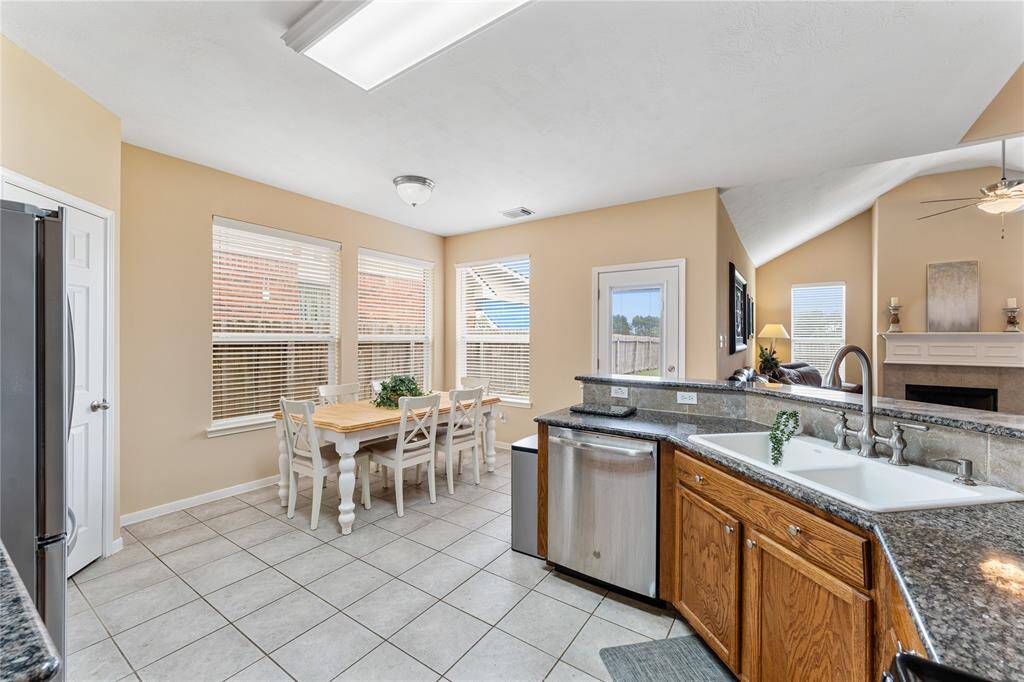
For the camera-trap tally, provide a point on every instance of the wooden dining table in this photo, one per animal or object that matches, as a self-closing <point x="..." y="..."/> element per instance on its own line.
<point x="347" y="425"/>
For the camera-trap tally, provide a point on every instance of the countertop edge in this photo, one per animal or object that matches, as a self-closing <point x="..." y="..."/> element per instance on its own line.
<point x="28" y="651"/>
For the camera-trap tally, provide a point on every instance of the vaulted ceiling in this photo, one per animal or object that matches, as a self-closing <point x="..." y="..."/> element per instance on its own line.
<point x="562" y="106"/>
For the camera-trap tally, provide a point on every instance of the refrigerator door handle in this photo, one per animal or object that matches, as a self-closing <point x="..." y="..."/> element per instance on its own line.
<point x="73" y="535"/>
<point x="71" y="369"/>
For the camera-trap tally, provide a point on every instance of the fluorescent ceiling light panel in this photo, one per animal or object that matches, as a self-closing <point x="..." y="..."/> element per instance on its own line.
<point x="379" y="39"/>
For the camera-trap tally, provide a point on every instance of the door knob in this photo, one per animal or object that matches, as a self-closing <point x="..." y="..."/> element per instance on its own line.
<point x="728" y="528"/>
<point x="98" y="405"/>
<point x="751" y="544"/>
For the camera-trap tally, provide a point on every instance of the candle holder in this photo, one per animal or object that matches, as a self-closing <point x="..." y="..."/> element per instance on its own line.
<point x="1012" y="324"/>
<point x="894" y="320"/>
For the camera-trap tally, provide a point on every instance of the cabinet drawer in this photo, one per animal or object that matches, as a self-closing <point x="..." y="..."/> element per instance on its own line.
<point x="844" y="553"/>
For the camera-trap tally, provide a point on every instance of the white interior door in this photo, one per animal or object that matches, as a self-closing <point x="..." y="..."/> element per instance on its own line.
<point x="85" y="263"/>
<point x="638" y="321"/>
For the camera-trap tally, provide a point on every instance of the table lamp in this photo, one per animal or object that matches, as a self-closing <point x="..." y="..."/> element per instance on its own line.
<point x="773" y="331"/>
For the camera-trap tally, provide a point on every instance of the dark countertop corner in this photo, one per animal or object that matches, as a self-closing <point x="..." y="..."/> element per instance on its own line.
<point x="26" y="651"/>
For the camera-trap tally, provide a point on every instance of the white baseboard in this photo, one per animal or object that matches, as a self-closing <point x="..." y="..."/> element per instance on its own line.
<point x="178" y="505"/>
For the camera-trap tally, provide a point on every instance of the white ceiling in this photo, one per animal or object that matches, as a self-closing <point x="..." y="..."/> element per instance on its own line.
<point x="561" y="107"/>
<point x="774" y="217"/>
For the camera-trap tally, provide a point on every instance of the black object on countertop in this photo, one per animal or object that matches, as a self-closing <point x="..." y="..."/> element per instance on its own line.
<point x="907" y="667"/>
<point x="620" y="411"/>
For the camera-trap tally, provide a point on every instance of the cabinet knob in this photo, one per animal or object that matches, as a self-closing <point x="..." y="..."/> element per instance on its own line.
<point x="729" y="529"/>
<point x="698" y="478"/>
<point x="793" y="530"/>
<point x="751" y="544"/>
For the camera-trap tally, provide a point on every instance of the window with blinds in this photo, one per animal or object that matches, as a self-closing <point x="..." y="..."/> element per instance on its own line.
<point x="818" y="324"/>
<point x="493" y="322"/>
<point x="395" y="304"/>
<point x="275" y="319"/>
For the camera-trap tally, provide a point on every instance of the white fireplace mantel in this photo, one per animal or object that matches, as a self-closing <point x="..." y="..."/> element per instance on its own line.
<point x="972" y="349"/>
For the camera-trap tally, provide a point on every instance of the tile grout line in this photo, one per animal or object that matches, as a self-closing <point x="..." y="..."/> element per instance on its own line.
<point x="176" y="574"/>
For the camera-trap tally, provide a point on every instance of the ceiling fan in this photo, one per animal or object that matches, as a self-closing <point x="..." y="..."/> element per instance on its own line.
<point x="1000" y="198"/>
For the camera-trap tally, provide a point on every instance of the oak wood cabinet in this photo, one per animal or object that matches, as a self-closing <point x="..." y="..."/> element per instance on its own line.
<point x="777" y="590"/>
<point x="800" y="622"/>
<point x="708" y="587"/>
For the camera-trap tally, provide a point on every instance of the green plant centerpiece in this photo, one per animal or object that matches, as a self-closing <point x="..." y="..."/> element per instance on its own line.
<point x="395" y="387"/>
<point x="767" y="361"/>
<point x="785" y="426"/>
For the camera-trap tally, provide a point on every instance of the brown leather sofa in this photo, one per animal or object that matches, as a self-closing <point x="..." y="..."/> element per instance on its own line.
<point x="794" y="373"/>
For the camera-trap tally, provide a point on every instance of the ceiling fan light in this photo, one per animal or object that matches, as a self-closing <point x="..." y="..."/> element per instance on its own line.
<point x="414" y="189"/>
<point x="1004" y="205"/>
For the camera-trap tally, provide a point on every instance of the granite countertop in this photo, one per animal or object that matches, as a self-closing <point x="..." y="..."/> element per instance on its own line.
<point x="961" y="569"/>
<point x="982" y="421"/>
<point x="26" y="651"/>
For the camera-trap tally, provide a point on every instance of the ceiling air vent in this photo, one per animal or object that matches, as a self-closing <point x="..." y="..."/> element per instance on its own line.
<point x="516" y="213"/>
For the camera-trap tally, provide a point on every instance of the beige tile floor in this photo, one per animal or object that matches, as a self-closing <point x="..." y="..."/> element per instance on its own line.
<point x="233" y="589"/>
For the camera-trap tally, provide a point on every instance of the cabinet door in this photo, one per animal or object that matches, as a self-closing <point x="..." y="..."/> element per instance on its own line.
<point x="800" y="622"/>
<point x="708" y="573"/>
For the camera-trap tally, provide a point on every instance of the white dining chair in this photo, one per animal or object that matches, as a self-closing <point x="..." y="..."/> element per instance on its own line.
<point x="475" y="382"/>
<point x="415" y="445"/>
<point x="308" y="457"/>
<point x="463" y="432"/>
<point x="331" y="394"/>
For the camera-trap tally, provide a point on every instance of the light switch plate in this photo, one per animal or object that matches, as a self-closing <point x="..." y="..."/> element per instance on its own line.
<point x="620" y="391"/>
<point x="684" y="398"/>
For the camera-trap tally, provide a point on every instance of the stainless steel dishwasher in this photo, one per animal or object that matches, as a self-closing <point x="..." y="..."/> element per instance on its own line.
<point x="603" y="507"/>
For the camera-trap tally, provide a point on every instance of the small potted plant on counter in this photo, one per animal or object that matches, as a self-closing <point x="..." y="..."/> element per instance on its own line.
<point x="395" y="387"/>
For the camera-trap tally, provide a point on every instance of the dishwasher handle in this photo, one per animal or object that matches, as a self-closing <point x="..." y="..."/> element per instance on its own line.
<point x="613" y="449"/>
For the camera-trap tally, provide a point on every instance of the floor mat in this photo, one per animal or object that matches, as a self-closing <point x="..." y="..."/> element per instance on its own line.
<point x="680" y="658"/>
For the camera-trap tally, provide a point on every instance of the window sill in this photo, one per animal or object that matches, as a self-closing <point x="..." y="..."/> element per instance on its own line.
<point x="228" y="427"/>
<point x="513" y="402"/>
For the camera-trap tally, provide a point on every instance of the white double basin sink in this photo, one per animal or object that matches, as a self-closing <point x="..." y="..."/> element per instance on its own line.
<point x="866" y="483"/>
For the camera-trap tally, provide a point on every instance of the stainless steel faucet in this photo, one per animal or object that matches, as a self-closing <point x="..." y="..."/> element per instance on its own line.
<point x="867" y="437"/>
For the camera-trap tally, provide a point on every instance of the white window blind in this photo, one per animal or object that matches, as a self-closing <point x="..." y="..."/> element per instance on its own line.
<point x="818" y="325"/>
<point x="395" y="311"/>
<point x="494" y="325"/>
<point x="275" y="318"/>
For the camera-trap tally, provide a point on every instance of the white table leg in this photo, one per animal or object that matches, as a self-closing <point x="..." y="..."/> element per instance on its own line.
<point x="347" y="483"/>
<point x="282" y="465"/>
<point x="489" y="436"/>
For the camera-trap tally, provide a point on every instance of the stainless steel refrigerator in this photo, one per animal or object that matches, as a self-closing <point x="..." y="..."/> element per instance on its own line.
<point x="36" y="371"/>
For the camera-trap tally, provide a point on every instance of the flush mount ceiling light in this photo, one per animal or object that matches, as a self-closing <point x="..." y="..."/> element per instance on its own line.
<point x="414" y="189"/>
<point x="371" y="42"/>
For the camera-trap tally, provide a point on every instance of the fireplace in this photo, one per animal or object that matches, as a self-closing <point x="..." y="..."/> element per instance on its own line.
<point x="957" y="396"/>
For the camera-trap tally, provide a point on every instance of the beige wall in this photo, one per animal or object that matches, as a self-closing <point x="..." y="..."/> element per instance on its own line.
<point x="905" y="245"/>
<point x="1004" y="116"/>
<point x="843" y="254"/>
<point x="168" y="205"/>
<point x="563" y="252"/>
<point x="730" y="250"/>
<point x="53" y="133"/>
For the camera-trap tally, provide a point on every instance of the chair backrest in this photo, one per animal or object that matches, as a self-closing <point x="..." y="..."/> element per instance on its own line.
<point x="416" y="433"/>
<point x="465" y="417"/>
<point x="300" y="434"/>
<point x="338" y="393"/>
<point x="475" y="382"/>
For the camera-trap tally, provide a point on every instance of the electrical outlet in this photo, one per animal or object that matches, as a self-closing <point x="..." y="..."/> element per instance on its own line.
<point x="620" y="391"/>
<point x="684" y="398"/>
